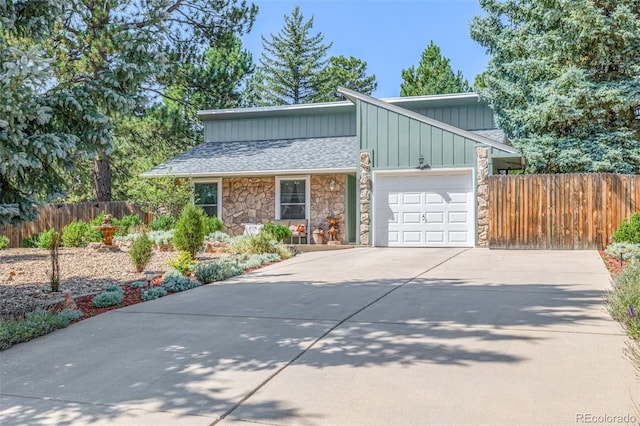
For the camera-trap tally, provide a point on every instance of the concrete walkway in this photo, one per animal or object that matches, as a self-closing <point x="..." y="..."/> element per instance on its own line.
<point x="361" y="336"/>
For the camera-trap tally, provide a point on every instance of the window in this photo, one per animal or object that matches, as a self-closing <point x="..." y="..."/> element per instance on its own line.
<point x="206" y="195"/>
<point x="292" y="197"/>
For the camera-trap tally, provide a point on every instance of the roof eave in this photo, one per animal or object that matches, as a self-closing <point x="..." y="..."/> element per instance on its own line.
<point x="149" y="174"/>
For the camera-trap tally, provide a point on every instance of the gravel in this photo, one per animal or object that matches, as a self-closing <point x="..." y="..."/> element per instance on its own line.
<point x="24" y="274"/>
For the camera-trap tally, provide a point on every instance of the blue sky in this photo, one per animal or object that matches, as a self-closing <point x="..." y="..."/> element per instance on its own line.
<point x="388" y="35"/>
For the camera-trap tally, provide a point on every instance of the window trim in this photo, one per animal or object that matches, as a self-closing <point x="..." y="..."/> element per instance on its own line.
<point x="218" y="182"/>
<point x="307" y="194"/>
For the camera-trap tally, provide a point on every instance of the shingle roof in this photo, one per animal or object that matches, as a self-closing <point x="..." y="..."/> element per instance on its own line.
<point x="262" y="157"/>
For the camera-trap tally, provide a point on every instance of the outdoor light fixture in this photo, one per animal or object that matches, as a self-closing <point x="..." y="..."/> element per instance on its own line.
<point x="148" y="275"/>
<point x="332" y="185"/>
<point x="422" y="165"/>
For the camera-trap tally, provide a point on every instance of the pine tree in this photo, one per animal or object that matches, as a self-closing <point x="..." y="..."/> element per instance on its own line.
<point x="346" y="72"/>
<point x="290" y="61"/>
<point x="564" y="81"/>
<point x="433" y="76"/>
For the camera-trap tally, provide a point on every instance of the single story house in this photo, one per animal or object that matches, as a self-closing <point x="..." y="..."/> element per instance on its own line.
<point x="406" y="172"/>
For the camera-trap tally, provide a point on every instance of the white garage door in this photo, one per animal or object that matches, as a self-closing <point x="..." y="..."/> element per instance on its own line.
<point x="424" y="210"/>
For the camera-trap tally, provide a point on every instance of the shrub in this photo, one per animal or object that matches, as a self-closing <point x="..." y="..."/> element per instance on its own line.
<point x="277" y="232"/>
<point x="624" y="300"/>
<point x="31" y="241"/>
<point x="45" y="239"/>
<point x="137" y="284"/>
<point x="4" y="242"/>
<point x="109" y="298"/>
<point x="153" y="293"/>
<point x="178" y="283"/>
<point x="127" y="223"/>
<point x="218" y="270"/>
<point x="115" y="289"/>
<point x="35" y="324"/>
<point x="628" y="231"/>
<point x="212" y="224"/>
<point x="627" y="249"/>
<point x="141" y="251"/>
<point x="163" y="223"/>
<point x="253" y="244"/>
<point x="189" y="233"/>
<point x="73" y="233"/>
<point x="282" y="251"/>
<point x="161" y="238"/>
<point x="182" y="262"/>
<point x="218" y="236"/>
<point x="92" y="235"/>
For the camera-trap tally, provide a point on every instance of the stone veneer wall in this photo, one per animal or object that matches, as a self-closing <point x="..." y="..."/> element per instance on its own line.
<point x="364" y="186"/>
<point x="325" y="202"/>
<point x="247" y="200"/>
<point x="483" y="196"/>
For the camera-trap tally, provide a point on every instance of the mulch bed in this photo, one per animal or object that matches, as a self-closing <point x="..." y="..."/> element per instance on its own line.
<point x="612" y="264"/>
<point x="132" y="296"/>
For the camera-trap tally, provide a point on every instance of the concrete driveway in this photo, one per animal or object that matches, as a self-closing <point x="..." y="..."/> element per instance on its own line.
<point x="363" y="336"/>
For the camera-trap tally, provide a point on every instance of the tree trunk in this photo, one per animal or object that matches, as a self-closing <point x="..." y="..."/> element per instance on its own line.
<point x="101" y="178"/>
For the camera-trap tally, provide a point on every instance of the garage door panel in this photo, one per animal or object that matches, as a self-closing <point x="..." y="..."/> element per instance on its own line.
<point x="411" y="218"/>
<point x="435" y="237"/>
<point x="458" y="237"/>
<point x="458" y="217"/>
<point x="424" y="210"/>
<point x="412" y="198"/>
<point x="434" y="199"/>
<point x="435" y="217"/>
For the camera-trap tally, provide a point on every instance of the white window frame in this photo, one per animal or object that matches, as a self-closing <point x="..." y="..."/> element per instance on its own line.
<point x="218" y="182"/>
<point x="307" y="194"/>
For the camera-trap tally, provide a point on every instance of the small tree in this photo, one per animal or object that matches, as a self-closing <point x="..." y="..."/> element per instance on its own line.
<point x="55" y="261"/>
<point x="189" y="233"/>
<point x="141" y="252"/>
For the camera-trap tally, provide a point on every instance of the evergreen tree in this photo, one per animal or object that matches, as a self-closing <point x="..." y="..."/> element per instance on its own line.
<point x="113" y="54"/>
<point x="346" y="72"/>
<point x="564" y="81"/>
<point x="33" y="152"/>
<point x="433" y="76"/>
<point x="289" y="63"/>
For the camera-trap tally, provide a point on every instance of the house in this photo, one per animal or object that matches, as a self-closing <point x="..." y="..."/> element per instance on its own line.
<point x="399" y="172"/>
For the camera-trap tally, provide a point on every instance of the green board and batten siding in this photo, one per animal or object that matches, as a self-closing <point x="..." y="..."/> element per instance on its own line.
<point x="468" y="117"/>
<point x="280" y="127"/>
<point x="397" y="141"/>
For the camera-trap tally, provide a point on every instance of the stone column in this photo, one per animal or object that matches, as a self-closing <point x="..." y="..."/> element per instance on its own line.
<point x="483" y="196"/>
<point x="365" y="198"/>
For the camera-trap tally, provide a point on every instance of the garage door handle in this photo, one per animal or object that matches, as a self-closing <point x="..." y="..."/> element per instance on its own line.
<point x="424" y="217"/>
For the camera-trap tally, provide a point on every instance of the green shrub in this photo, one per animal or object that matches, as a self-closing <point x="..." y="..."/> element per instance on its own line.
<point x="178" y="283"/>
<point x="628" y="231"/>
<point x="163" y="223"/>
<point x="153" y="293"/>
<point x="45" y="240"/>
<point x="282" y="251"/>
<point x="627" y="249"/>
<point x="276" y="231"/>
<point x="115" y="289"/>
<point x="253" y="244"/>
<point x="127" y="223"/>
<point x="92" y="235"/>
<point x="137" y="284"/>
<point x="218" y="236"/>
<point x="140" y="252"/>
<point x="31" y="241"/>
<point x="624" y="300"/>
<point x="73" y="233"/>
<point x="212" y="224"/>
<point x="4" y="242"/>
<point x="35" y="324"/>
<point x="182" y="262"/>
<point x="109" y="297"/>
<point x="189" y="232"/>
<point x="217" y="270"/>
<point x="161" y="238"/>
